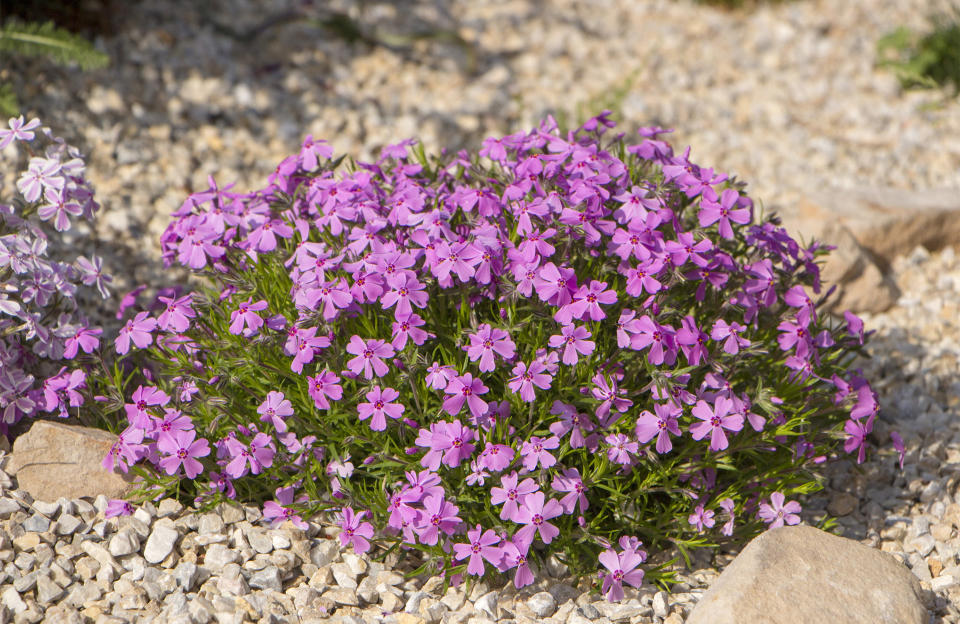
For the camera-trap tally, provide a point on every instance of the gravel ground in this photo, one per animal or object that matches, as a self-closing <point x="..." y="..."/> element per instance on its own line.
<point x="785" y="97"/>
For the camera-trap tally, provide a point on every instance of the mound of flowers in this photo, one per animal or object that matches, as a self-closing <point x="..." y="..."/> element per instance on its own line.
<point x="569" y="344"/>
<point x="42" y="326"/>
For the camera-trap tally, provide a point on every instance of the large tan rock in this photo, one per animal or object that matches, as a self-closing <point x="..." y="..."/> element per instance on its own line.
<point x="883" y="223"/>
<point x="802" y="575"/>
<point x="54" y="459"/>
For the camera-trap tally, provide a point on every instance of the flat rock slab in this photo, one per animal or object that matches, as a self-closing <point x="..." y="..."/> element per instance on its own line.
<point x="871" y="226"/>
<point x="54" y="460"/>
<point x="802" y="575"/>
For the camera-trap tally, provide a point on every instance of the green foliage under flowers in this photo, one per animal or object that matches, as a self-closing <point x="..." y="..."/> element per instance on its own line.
<point x="929" y="60"/>
<point x="796" y="416"/>
<point x="47" y="40"/>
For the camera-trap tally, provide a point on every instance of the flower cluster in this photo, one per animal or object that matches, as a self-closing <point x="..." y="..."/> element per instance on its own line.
<point x="40" y="322"/>
<point x="538" y="349"/>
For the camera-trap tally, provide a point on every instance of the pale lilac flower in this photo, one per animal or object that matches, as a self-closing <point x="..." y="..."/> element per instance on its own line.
<point x="324" y="384"/>
<point x="18" y="131"/>
<point x="730" y="333"/>
<point x="245" y="318"/>
<point x="715" y="421"/>
<point x="439" y="376"/>
<point x="570" y="481"/>
<point x="138" y="329"/>
<point x="727" y="505"/>
<point x="587" y="302"/>
<point x="117" y="507"/>
<point x="621" y="447"/>
<point x="515" y="556"/>
<point x="525" y="378"/>
<point x="570" y="420"/>
<point x="274" y="409"/>
<point x="701" y="518"/>
<point x="277" y="512"/>
<point x="182" y="450"/>
<point x="380" y="405"/>
<point x="437" y="515"/>
<point x="355" y="532"/>
<point x="724" y="210"/>
<point x="533" y="513"/>
<point x="622" y="569"/>
<point x="465" y="389"/>
<point x="479" y="548"/>
<point x="661" y="425"/>
<point x="511" y="494"/>
<point x="537" y="451"/>
<point x="488" y="341"/>
<point x="777" y="513"/>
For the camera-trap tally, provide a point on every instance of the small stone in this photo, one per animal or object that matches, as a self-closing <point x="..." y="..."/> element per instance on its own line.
<point x="27" y="541"/>
<point x="7" y="507"/>
<point x="943" y="583"/>
<point x="218" y="555"/>
<point x="324" y="553"/>
<point x="620" y="612"/>
<point x="50" y="510"/>
<point x="409" y="618"/>
<point x="280" y="541"/>
<point x="487" y="604"/>
<point x="842" y="504"/>
<point x="432" y="610"/>
<point x="344" y="576"/>
<point x="268" y="578"/>
<point x="68" y="524"/>
<point x="36" y="522"/>
<point x="169" y="507"/>
<point x="230" y="513"/>
<point x="124" y="543"/>
<point x="660" y="606"/>
<point x="941" y="532"/>
<point x="47" y="590"/>
<point x="260" y="542"/>
<point x="342" y="597"/>
<point x="186" y="575"/>
<point x="936" y="566"/>
<point x="413" y="602"/>
<point x="11" y="599"/>
<point x="589" y="611"/>
<point x="160" y="543"/>
<point x="26" y="582"/>
<point x="211" y="523"/>
<point x="924" y="544"/>
<point x="542" y="604"/>
<point x="454" y="598"/>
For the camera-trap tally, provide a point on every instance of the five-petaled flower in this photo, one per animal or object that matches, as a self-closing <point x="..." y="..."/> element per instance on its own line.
<point x="370" y="355"/>
<point x="776" y="514"/>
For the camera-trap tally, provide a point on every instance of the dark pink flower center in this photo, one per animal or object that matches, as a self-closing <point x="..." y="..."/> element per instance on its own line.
<point x="475" y="547"/>
<point x="378" y="405"/>
<point x="537" y="519"/>
<point x="182" y="453"/>
<point x="715" y="421"/>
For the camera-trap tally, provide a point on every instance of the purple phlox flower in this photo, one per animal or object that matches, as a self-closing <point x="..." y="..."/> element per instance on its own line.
<point x="370" y="355"/>
<point x="796" y="297"/>
<point x="795" y="334"/>
<point x="511" y="494"/>
<point x="496" y="410"/>
<point x="496" y="457"/>
<point x="487" y="341"/>
<point x="526" y="377"/>
<point x="866" y="405"/>
<point x="258" y="455"/>
<point x="634" y="204"/>
<point x="355" y="532"/>
<point x="555" y="285"/>
<point x="129" y="299"/>
<point x="323" y="385"/>
<point x="537" y="451"/>
<point x="380" y="406"/>
<point x="480" y="547"/>
<point x="477" y="475"/>
<point x="221" y="483"/>
<point x="274" y="409"/>
<point x="127" y="448"/>
<point x="439" y="376"/>
<point x="138" y="330"/>
<point x="143" y="398"/>
<point x="459" y="258"/>
<point x="570" y="420"/>
<point x="533" y="513"/>
<point x="622" y="569"/>
<point x="777" y="513"/>
<point x="586" y="302"/>
<point x="684" y="248"/>
<point x="18" y="131"/>
<point x="692" y="341"/>
<point x="245" y="318"/>
<point x="405" y="296"/>
<point x="610" y="394"/>
<point x="59" y="207"/>
<point x="117" y="507"/>
<point x="199" y="241"/>
<point x="660" y="339"/>
<point x="724" y="210"/>
<point x="182" y="450"/>
<point x="627" y="325"/>
<point x="465" y="389"/>
<point x="340" y="467"/>
<point x="437" y="515"/>
<point x="41" y="173"/>
<point x="173" y="421"/>
<point x="660" y="425"/>
<point x="701" y="518"/>
<point x="571" y="482"/>
<point x="762" y="282"/>
<point x="176" y="317"/>
<point x="731" y="334"/>
<point x="450" y="441"/>
<point x="303" y="344"/>
<point x="854" y="325"/>
<point x="643" y="278"/>
<point x="727" y="505"/>
<point x="898" y="444"/>
<point x="715" y="420"/>
<point x="334" y="295"/>
<point x="278" y="511"/>
<point x="621" y="447"/>
<point x="409" y="327"/>
<point x="263" y="237"/>
<point x="85" y="338"/>
<point x="311" y="151"/>
<point x="857" y="432"/>
<point x="574" y="341"/>
<point x="515" y="556"/>
<point x="91" y="273"/>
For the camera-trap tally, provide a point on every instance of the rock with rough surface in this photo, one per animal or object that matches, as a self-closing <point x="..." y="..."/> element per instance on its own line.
<point x="54" y="460"/>
<point x="802" y="575"/>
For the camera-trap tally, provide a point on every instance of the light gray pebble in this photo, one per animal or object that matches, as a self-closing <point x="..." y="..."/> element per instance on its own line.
<point x="660" y="604"/>
<point x="68" y="524"/>
<point x="124" y="542"/>
<point x="11" y="599"/>
<point x="186" y="574"/>
<point x="50" y="510"/>
<point x="7" y="507"/>
<point x="413" y="602"/>
<point x="487" y="604"/>
<point x="37" y="523"/>
<point x="267" y="578"/>
<point x="217" y="556"/>
<point x="211" y="523"/>
<point x="324" y="552"/>
<point x="542" y="604"/>
<point x="260" y="541"/>
<point x="160" y="543"/>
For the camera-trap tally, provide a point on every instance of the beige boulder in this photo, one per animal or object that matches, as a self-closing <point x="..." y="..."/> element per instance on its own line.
<point x="54" y="459"/>
<point x="802" y="575"/>
<point x="870" y="227"/>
